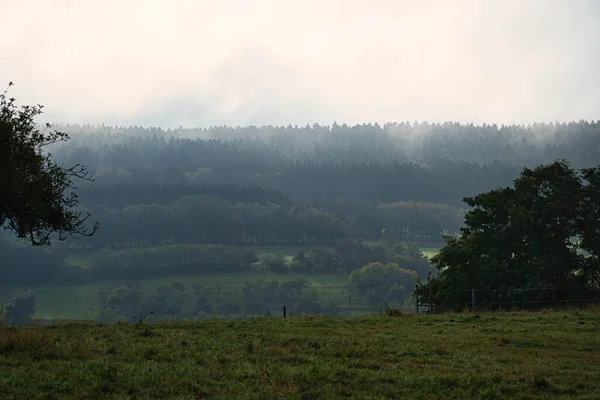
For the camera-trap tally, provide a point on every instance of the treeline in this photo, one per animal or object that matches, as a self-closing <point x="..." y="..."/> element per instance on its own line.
<point x="213" y="220"/>
<point x="508" y="144"/>
<point x="443" y="180"/>
<point x="24" y="265"/>
<point x="396" y="162"/>
<point x="350" y="255"/>
<point x="121" y="195"/>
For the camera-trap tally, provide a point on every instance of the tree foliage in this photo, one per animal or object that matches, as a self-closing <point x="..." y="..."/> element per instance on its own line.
<point x="384" y="285"/>
<point x="34" y="200"/>
<point x="541" y="233"/>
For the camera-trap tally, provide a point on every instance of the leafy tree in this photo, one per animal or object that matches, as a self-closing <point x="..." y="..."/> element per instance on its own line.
<point x="589" y="225"/>
<point x="34" y="203"/>
<point x="527" y="236"/>
<point x="383" y="284"/>
<point x="276" y="263"/>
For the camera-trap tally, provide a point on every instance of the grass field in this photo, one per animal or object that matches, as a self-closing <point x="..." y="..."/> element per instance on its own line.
<point x="288" y="252"/>
<point x="487" y="356"/>
<point x="73" y="301"/>
<point x="430" y="251"/>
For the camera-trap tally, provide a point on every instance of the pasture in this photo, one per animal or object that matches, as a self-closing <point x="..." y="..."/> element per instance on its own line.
<point x="492" y="356"/>
<point x="430" y="251"/>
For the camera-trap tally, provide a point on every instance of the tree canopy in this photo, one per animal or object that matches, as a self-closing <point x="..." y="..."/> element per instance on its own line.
<point x="542" y="232"/>
<point x="36" y="200"/>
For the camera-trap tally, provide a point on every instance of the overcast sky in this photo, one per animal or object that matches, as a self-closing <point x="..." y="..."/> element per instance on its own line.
<point x="239" y="62"/>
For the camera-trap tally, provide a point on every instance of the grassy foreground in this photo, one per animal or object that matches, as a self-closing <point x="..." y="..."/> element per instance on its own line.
<point x="491" y="356"/>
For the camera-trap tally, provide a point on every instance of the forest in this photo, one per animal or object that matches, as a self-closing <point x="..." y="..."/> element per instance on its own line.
<point x="319" y="183"/>
<point x="350" y="200"/>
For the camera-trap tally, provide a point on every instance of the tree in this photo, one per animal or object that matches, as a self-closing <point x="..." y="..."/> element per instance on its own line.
<point x="382" y="285"/>
<point x="589" y="225"/>
<point x="19" y="311"/>
<point x="34" y="202"/>
<point x="528" y="236"/>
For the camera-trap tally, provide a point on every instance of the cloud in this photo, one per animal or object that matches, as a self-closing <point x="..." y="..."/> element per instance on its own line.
<point x="197" y="63"/>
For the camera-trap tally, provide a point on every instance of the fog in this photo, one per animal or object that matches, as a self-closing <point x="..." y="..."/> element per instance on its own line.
<point x="201" y="63"/>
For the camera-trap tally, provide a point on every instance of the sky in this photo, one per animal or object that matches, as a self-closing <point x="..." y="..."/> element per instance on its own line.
<point x="196" y="63"/>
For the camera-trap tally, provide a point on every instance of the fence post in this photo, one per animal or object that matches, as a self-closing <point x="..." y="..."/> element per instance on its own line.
<point x="430" y="298"/>
<point x="472" y="300"/>
<point x="417" y="299"/>
<point x="284" y="312"/>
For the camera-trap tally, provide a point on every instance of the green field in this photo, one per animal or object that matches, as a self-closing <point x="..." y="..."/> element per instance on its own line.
<point x="430" y="251"/>
<point x="73" y="301"/>
<point x="487" y="356"/>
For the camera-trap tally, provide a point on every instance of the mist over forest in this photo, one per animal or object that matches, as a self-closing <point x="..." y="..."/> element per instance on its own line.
<point x="315" y="199"/>
<point x="418" y="162"/>
<point x="354" y="181"/>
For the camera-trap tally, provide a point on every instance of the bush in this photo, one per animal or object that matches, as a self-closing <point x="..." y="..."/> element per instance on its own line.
<point x="302" y="265"/>
<point x="276" y="264"/>
<point x="125" y="300"/>
<point x="384" y="284"/>
<point x="19" y="311"/>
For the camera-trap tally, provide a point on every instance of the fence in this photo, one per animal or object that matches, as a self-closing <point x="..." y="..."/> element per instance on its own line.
<point x="504" y="299"/>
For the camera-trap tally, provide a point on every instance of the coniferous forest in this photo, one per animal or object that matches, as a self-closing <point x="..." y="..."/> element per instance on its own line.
<point x="303" y="185"/>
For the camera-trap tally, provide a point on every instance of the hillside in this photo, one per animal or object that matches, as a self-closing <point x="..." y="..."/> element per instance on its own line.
<point x="492" y="356"/>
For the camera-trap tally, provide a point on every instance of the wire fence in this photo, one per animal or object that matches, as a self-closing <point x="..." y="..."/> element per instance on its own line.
<point x="506" y="299"/>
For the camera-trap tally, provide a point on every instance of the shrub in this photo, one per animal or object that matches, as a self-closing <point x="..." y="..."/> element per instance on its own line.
<point x="19" y="311"/>
<point x="125" y="300"/>
<point x="276" y="264"/>
<point x="379" y="284"/>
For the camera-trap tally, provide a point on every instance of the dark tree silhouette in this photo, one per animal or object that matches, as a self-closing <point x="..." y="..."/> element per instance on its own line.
<point x="540" y="233"/>
<point x="35" y="202"/>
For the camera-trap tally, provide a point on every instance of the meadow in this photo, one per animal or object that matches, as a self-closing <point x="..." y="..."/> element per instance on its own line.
<point x="430" y="251"/>
<point x="493" y="356"/>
